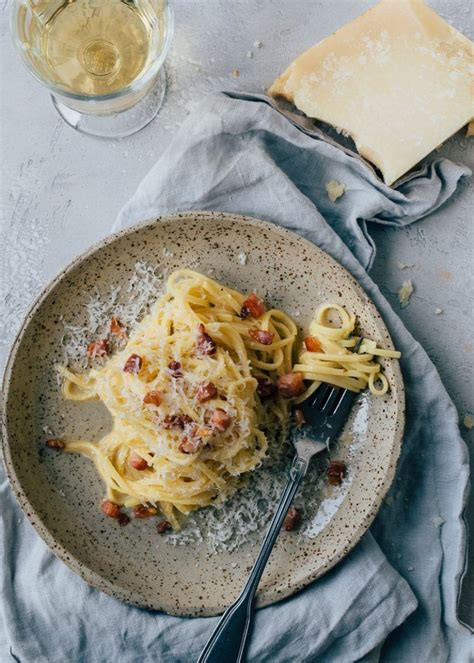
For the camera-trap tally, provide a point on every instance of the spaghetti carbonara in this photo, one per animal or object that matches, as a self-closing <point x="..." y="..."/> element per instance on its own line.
<point x="188" y="395"/>
<point x="200" y="382"/>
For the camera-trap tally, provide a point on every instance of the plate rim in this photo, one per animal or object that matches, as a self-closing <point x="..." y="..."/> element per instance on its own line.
<point x="91" y="577"/>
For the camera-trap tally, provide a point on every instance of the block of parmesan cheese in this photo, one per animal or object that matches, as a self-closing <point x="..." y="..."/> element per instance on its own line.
<point x="398" y="80"/>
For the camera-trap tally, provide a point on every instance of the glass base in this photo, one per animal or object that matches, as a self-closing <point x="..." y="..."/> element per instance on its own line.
<point x="121" y="124"/>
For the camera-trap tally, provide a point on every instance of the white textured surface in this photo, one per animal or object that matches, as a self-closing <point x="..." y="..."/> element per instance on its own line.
<point x="61" y="191"/>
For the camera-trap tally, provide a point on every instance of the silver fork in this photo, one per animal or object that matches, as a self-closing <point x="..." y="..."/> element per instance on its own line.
<point x="325" y="415"/>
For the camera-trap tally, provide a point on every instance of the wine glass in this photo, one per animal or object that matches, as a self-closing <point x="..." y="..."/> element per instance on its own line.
<point x="102" y="60"/>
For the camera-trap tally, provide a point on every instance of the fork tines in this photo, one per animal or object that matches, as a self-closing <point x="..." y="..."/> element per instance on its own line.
<point x="329" y="399"/>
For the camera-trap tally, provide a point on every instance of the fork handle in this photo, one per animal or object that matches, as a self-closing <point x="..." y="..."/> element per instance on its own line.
<point x="227" y="643"/>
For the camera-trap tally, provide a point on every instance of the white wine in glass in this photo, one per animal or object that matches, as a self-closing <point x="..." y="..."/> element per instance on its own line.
<point x="101" y="59"/>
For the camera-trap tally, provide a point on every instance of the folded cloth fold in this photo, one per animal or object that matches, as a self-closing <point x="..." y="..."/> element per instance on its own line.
<point x="242" y="156"/>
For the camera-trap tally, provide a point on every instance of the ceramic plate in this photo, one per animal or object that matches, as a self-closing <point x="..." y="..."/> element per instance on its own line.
<point x="60" y="492"/>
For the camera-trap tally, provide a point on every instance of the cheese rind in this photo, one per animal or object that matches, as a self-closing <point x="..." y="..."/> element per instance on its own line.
<point x="398" y="80"/>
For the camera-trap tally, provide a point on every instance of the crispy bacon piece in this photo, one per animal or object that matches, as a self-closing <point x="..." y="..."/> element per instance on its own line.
<point x="117" y="329"/>
<point x="206" y="391"/>
<point x="292" y="519"/>
<point x="266" y="388"/>
<point x="205" y="344"/>
<point x="170" y="421"/>
<point x="196" y="438"/>
<point x="262" y="336"/>
<point x="137" y="462"/>
<point x="55" y="444"/>
<point x="175" y="369"/>
<point x="163" y="527"/>
<point x="176" y="421"/>
<point x="299" y="417"/>
<point x="123" y="519"/>
<point x="336" y="472"/>
<point x="98" y="349"/>
<point x="252" y="307"/>
<point x="312" y="344"/>
<point x="110" y="509"/>
<point x="133" y="364"/>
<point x="221" y="419"/>
<point x="190" y="445"/>
<point x="144" y="511"/>
<point x="153" y="397"/>
<point x="290" y="385"/>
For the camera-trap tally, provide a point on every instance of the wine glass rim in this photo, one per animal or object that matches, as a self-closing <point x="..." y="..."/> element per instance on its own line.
<point x="135" y="85"/>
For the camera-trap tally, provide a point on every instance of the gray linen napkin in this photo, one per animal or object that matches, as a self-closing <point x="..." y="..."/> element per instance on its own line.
<point x="241" y="156"/>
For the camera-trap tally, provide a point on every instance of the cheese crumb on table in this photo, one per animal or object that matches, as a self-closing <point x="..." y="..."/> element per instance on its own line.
<point x="236" y="73"/>
<point x="405" y="292"/>
<point x="404" y="265"/>
<point x="257" y="44"/>
<point x="468" y="421"/>
<point x="438" y="311"/>
<point x="335" y="190"/>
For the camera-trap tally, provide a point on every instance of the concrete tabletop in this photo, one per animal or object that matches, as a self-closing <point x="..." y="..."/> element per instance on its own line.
<point x="61" y="191"/>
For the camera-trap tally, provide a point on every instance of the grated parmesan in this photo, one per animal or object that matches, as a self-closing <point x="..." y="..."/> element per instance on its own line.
<point x="145" y="284"/>
<point x="242" y="517"/>
<point x="242" y="258"/>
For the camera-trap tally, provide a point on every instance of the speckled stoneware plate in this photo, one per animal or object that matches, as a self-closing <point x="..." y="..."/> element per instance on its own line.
<point x="60" y="492"/>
